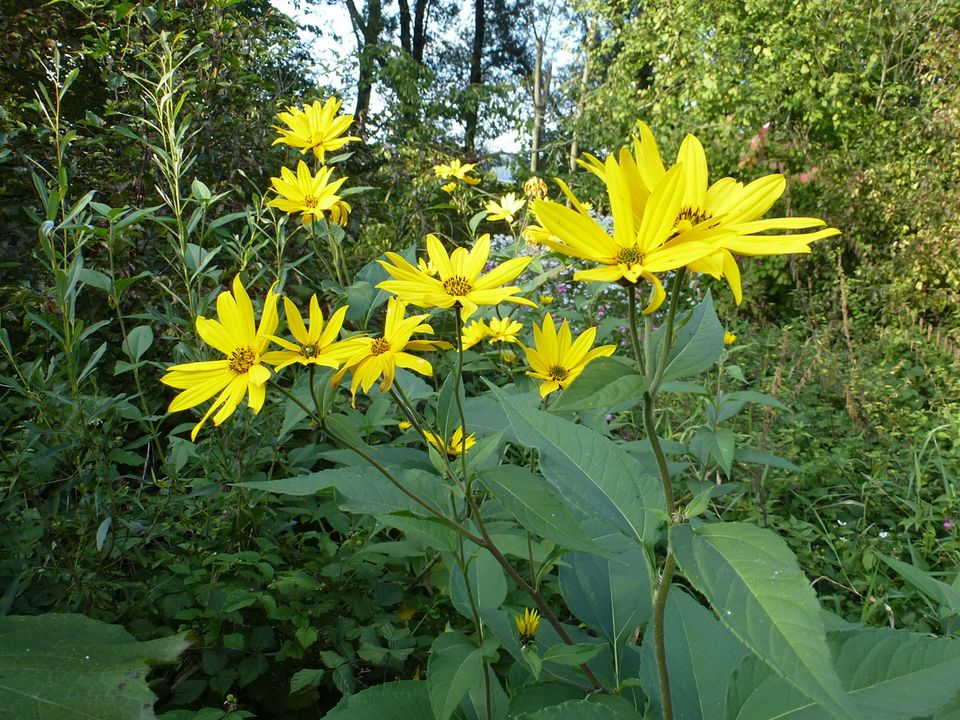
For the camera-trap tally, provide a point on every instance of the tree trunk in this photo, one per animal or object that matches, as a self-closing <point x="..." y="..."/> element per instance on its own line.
<point x="472" y="106"/>
<point x="420" y="10"/>
<point x="581" y="100"/>
<point x="369" y="29"/>
<point x="405" y="26"/>
<point x="541" y="92"/>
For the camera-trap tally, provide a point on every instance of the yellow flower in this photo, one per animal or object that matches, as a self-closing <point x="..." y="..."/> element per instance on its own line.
<point x="729" y="338"/>
<point x="426" y="267"/>
<point x="316" y="127"/>
<point x="459" y="280"/>
<point x="503" y="330"/>
<point x="456" y="171"/>
<point x="404" y="425"/>
<point x="527" y="625"/>
<point x="535" y="187"/>
<point x="371" y="358"/>
<point x="506" y="209"/>
<point x="557" y="359"/>
<point x="546" y="299"/>
<point x="724" y="214"/>
<point x="642" y="243"/>
<point x="508" y="356"/>
<point x="537" y="235"/>
<point x="242" y="372"/>
<point x="458" y="444"/>
<point x="473" y="333"/>
<point x="316" y="345"/>
<point x="310" y="194"/>
<point x="449" y="187"/>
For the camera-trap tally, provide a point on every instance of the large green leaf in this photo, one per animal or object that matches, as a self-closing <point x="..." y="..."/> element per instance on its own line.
<point x="698" y="342"/>
<point x="944" y="595"/>
<point x="602" y="480"/>
<point x="753" y="581"/>
<point x="701" y="657"/>
<point x="485" y="580"/>
<point x="580" y="710"/>
<point x="69" y="667"/>
<point x="455" y="665"/>
<point x="537" y="508"/>
<point x="604" y="383"/>
<point x="404" y="700"/>
<point x="364" y="488"/>
<point x="889" y="675"/>
<point x="612" y="596"/>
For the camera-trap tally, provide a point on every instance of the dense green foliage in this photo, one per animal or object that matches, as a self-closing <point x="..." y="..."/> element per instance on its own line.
<point x="136" y="157"/>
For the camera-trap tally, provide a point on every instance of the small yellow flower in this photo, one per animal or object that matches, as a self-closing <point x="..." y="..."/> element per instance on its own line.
<point x="557" y="359"/>
<point x="456" y="171"/>
<point x="535" y="187"/>
<point x="473" y="333"/>
<point x="506" y="209"/>
<point x="508" y="356"/>
<point x="729" y="338"/>
<point x="449" y="187"/>
<point x="537" y="235"/>
<point x="404" y="425"/>
<point x="458" y="444"/>
<point x="371" y="358"/>
<point x="546" y="299"/>
<point x="316" y="127"/>
<point x="310" y="194"/>
<point x="503" y="330"/>
<point x="459" y="281"/>
<point x="316" y="346"/>
<point x="241" y="373"/>
<point x="527" y="625"/>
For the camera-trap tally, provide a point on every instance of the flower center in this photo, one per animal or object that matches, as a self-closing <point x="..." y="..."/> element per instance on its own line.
<point x="689" y="217"/>
<point x="310" y="202"/>
<point x="379" y="346"/>
<point x="308" y="350"/>
<point x="558" y="373"/>
<point x="242" y="359"/>
<point x="629" y="256"/>
<point x="458" y="286"/>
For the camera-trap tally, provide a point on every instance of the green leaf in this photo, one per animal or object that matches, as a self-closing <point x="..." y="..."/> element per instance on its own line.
<point x="95" y="278"/>
<point x="364" y="489"/>
<point x="701" y="657"/>
<point x="306" y="678"/>
<point x="939" y="592"/>
<point x="601" y="479"/>
<point x="719" y="445"/>
<point x="487" y="584"/>
<point x="448" y="414"/>
<point x="577" y="710"/>
<point x="573" y="655"/>
<point x="537" y="508"/>
<point x="612" y="596"/>
<point x="698" y="343"/>
<point x="753" y="581"/>
<point x="137" y="342"/>
<point x="749" y="455"/>
<point x="69" y="667"/>
<point x="604" y="383"/>
<point x="889" y="675"/>
<point x="455" y="664"/>
<point x="534" y="697"/>
<point x="403" y="700"/>
<point x="732" y="403"/>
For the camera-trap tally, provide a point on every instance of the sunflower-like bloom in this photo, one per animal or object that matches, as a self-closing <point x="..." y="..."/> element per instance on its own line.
<point x="557" y="359"/>
<point x="310" y="194"/>
<point x="458" y="443"/>
<point x="242" y="371"/>
<point x="456" y="171"/>
<point x="458" y="281"/>
<point x="729" y="338"/>
<point x="503" y="330"/>
<point x="373" y="358"/>
<point x="506" y="209"/>
<point x="724" y="214"/>
<point x="316" y="127"/>
<point x="527" y="625"/>
<point x="315" y="345"/>
<point x="473" y="333"/>
<point x="643" y="241"/>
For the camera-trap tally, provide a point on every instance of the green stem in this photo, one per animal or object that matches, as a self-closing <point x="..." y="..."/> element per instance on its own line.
<point x="659" y="607"/>
<point x="458" y="386"/>
<point x="668" y="330"/>
<point x="634" y="333"/>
